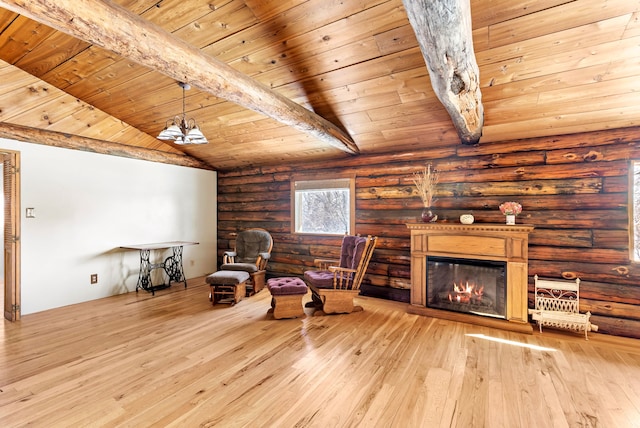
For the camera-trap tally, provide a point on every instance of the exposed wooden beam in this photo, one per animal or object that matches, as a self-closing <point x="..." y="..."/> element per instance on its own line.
<point x="443" y="29"/>
<point x="112" y="27"/>
<point x="67" y="141"/>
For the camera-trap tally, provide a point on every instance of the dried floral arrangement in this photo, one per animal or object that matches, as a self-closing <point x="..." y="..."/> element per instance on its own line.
<point x="426" y="181"/>
<point x="510" y="208"/>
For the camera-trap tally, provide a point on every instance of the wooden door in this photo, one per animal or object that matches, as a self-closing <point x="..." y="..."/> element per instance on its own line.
<point x="11" y="177"/>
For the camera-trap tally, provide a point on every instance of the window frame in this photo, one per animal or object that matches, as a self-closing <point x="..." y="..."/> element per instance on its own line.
<point x="324" y="178"/>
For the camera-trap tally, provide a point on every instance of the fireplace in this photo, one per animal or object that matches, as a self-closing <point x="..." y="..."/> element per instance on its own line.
<point x="484" y="267"/>
<point x="470" y="286"/>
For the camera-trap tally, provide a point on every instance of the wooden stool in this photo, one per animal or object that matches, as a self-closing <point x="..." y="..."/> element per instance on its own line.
<point x="227" y="285"/>
<point x="286" y="297"/>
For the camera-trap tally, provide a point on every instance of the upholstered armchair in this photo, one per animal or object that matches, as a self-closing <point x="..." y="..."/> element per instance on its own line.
<point x="335" y="283"/>
<point x="251" y="254"/>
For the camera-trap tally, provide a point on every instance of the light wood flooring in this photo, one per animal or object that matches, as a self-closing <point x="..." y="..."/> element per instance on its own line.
<point x="174" y="360"/>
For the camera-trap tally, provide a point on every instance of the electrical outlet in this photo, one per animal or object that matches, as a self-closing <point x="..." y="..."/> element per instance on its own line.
<point x="94" y="278"/>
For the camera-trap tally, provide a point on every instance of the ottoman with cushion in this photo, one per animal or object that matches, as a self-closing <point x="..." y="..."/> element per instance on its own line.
<point x="257" y="276"/>
<point x="227" y="286"/>
<point x="286" y="297"/>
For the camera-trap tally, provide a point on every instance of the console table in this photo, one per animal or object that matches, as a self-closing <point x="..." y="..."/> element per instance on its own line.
<point x="172" y="265"/>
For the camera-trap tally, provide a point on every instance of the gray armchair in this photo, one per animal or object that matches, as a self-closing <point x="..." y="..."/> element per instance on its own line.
<point x="251" y="254"/>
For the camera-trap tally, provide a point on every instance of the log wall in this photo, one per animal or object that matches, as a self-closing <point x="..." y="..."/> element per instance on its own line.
<point x="574" y="190"/>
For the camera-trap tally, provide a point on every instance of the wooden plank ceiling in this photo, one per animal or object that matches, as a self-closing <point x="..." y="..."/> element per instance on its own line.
<point x="547" y="67"/>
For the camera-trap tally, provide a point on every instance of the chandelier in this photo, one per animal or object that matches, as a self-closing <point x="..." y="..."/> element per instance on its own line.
<point x="179" y="129"/>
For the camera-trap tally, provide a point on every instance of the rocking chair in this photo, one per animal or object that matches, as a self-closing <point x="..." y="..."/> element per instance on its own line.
<point x="336" y="282"/>
<point x="252" y="252"/>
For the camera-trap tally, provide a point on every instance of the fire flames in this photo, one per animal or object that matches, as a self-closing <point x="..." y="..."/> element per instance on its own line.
<point x="466" y="293"/>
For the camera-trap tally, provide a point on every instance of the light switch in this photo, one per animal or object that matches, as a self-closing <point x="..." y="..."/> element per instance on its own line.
<point x="31" y="213"/>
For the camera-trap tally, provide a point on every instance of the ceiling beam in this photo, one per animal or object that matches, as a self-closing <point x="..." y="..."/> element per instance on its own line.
<point x="75" y="142"/>
<point x="443" y="30"/>
<point x="112" y="27"/>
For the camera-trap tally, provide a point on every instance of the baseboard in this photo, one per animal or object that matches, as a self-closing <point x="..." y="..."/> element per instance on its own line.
<point x="387" y="293"/>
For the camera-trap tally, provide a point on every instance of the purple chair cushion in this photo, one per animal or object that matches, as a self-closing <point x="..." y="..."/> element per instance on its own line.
<point x="319" y="278"/>
<point x="351" y="251"/>
<point x="286" y="286"/>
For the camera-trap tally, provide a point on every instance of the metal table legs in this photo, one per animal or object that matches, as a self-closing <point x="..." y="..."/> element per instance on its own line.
<point x="172" y="265"/>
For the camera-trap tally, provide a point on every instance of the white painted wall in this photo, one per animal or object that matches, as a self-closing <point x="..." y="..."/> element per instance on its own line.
<point x="87" y="205"/>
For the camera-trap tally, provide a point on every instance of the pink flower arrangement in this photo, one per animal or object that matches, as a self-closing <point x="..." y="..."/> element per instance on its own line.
<point x="510" y="208"/>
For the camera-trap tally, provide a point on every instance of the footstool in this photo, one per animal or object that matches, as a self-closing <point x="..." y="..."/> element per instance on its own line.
<point x="227" y="285"/>
<point x="286" y="297"/>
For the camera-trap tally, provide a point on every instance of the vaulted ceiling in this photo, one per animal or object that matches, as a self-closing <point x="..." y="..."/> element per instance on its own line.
<point x="547" y="67"/>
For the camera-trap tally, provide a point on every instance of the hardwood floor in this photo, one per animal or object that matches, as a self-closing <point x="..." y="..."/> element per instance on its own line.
<point x="173" y="359"/>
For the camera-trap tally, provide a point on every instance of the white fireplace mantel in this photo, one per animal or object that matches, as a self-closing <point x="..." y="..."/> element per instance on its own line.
<point x="488" y="241"/>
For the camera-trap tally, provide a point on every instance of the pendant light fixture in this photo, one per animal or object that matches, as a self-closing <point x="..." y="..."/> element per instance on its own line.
<point x="179" y="129"/>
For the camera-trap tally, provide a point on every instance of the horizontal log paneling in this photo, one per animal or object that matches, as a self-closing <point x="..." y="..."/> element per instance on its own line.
<point x="595" y="153"/>
<point x="573" y="189"/>
<point x="625" y="275"/>
<point x="610" y="238"/>
<point x="616" y="326"/>
<point x="490" y="189"/>
<point x="548" y="202"/>
<point x="257" y="206"/>
<point x="598" y="138"/>
<point x="577" y="238"/>
<point x="606" y="292"/>
<point x="615" y="184"/>
<point x="613" y="310"/>
<point x="588" y="255"/>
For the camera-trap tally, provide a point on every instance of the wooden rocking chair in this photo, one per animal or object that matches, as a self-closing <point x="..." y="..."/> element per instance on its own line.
<point x="251" y="254"/>
<point x="336" y="282"/>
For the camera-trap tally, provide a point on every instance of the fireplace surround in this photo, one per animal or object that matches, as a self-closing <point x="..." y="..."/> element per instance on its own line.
<point x="476" y="243"/>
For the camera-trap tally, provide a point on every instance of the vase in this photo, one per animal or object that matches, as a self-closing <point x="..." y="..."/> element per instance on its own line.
<point x="511" y="219"/>
<point x="428" y="216"/>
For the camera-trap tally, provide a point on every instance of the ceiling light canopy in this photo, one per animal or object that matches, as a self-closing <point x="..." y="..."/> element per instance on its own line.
<point x="179" y="129"/>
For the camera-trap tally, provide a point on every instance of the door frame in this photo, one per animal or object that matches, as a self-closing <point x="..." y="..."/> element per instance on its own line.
<point x="11" y="191"/>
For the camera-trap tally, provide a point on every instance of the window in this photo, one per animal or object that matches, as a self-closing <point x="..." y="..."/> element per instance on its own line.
<point x="634" y="211"/>
<point x="323" y="206"/>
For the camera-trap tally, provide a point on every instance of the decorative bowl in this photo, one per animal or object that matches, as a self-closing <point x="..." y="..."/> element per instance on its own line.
<point x="466" y="219"/>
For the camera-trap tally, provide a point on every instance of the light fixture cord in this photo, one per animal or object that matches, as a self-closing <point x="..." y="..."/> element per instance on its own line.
<point x="184" y="112"/>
